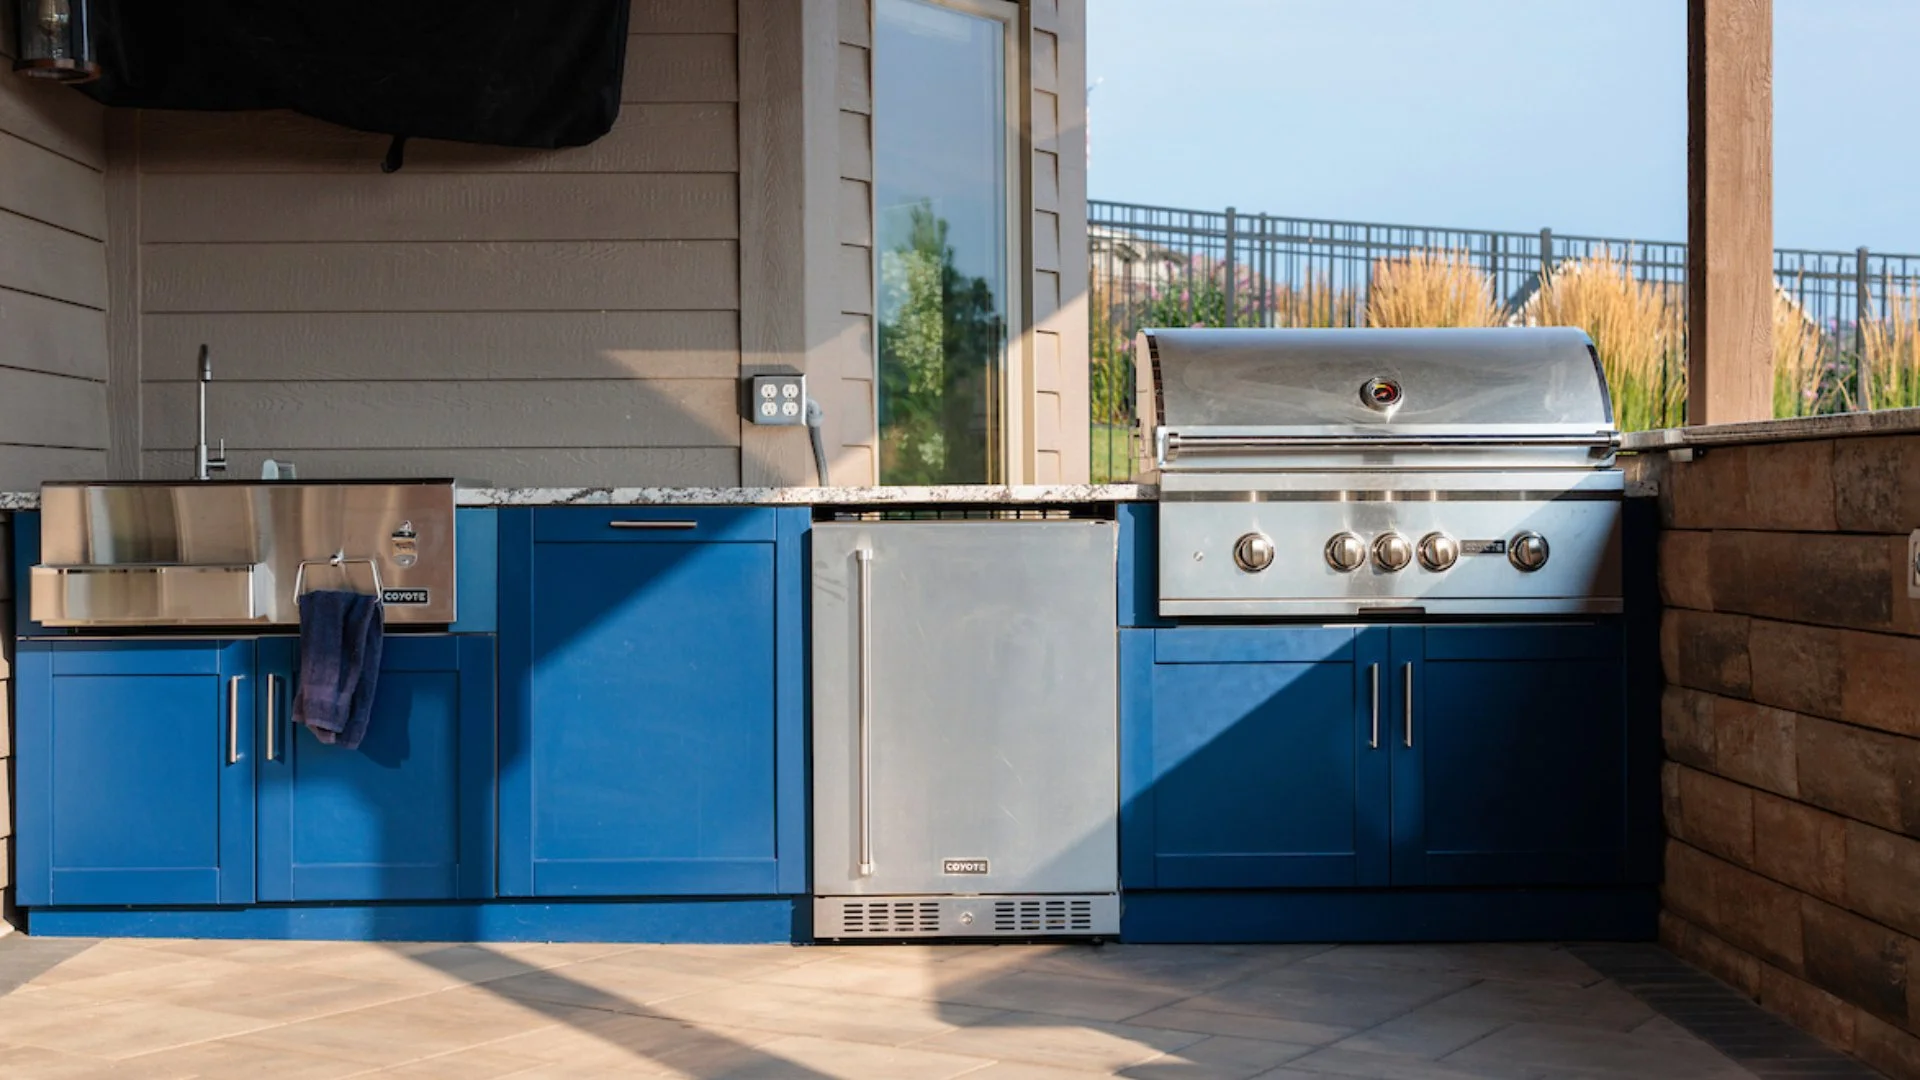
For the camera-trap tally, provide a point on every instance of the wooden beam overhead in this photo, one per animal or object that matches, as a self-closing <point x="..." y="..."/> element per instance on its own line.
<point x="1729" y="210"/>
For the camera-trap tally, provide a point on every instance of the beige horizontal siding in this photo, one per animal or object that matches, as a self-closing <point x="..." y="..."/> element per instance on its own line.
<point x="681" y="67"/>
<point x="472" y="346"/>
<point x="646" y="138"/>
<point x="678" y="466"/>
<point x="58" y="191"/>
<point x="39" y="334"/>
<point x="425" y="207"/>
<point x="37" y="409"/>
<point x="440" y="276"/>
<point x="683" y="17"/>
<point x="46" y="260"/>
<point x="24" y="468"/>
<point x="54" y="118"/>
<point x="446" y="414"/>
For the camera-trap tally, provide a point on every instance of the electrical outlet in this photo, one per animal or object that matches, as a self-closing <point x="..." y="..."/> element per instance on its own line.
<point x="777" y="399"/>
<point x="1913" y="565"/>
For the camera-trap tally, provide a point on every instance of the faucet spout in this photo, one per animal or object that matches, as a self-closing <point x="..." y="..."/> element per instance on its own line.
<point x="204" y="463"/>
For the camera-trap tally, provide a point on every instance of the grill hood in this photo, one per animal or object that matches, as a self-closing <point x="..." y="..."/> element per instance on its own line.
<point x="1237" y="400"/>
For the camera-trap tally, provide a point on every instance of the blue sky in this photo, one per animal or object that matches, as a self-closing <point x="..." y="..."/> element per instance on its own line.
<point x="1507" y="114"/>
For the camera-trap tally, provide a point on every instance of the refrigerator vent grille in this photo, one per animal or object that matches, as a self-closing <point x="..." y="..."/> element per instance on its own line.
<point x="1042" y="916"/>
<point x="891" y="917"/>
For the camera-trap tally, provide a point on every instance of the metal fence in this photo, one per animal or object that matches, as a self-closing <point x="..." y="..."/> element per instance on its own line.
<point x="1153" y="264"/>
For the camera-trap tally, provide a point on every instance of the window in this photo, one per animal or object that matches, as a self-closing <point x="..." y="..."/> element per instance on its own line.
<point x="943" y="141"/>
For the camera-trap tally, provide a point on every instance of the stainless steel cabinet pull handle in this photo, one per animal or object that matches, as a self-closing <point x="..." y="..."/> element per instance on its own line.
<point x="233" y="719"/>
<point x="1373" y="676"/>
<point x="654" y="524"/>
<point x="1407" y="700"/>
<point x="864" y="557"/>
<point x="273" y="697"/>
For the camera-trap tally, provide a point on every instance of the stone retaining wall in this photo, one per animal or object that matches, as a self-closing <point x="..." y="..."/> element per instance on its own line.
<point x="1792" y="725"/>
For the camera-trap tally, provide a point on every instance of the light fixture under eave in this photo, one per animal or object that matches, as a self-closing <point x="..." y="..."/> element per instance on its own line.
<point x="56" y="41"/>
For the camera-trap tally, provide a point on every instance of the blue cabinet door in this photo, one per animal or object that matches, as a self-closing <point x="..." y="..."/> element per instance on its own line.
<point x="136" y="768"/>
<point x="1509" y="755"/>
<point x="1253" y="758"/>
<point x="408" y="815"/>
<point x="651" y="737"/>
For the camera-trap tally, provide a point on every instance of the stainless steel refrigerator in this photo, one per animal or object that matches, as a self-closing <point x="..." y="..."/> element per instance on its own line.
<point x="965" y="730"/>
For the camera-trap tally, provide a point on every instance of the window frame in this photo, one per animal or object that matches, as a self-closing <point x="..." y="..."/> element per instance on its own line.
<point x="1008" y="416"/>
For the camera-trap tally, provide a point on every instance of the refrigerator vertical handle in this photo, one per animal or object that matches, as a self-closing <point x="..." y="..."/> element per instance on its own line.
<point x="863" y="556"/>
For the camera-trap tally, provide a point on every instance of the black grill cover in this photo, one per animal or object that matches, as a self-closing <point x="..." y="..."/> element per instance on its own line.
<point x="533" y="73"/>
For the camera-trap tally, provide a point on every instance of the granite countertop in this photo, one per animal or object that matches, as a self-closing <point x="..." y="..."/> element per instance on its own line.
<point x="957" y="494"/>
<point x="967" y="494"/>
<point x="1795" y="429"/>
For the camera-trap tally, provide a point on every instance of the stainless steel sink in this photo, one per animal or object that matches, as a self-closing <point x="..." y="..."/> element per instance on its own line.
<point x="138" y="554"/>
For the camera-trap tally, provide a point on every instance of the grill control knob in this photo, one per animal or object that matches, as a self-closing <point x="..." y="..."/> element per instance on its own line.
<point x="1528" y="551"/>
<point x="1438" y="551"/>
<point x="1392" y="552"/>
<point x="1254" y="552"/>
<point x="1346" y="552"/>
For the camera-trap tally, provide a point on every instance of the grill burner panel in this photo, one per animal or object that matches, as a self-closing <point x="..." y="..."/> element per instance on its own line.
<point x="1343" y="473"/>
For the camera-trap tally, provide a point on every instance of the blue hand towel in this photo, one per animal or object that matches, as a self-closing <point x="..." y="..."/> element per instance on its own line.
<point x="341" y="638"/>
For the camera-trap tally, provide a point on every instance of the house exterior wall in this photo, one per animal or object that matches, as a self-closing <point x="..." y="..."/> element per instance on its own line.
<point x="579" y="317"/>
<point x="514" y="316"/>
<point x="53" y="283"/>
<point x="1792" y="726"/>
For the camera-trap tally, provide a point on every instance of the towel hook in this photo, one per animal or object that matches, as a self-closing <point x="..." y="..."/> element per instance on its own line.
<point x="337" y="561"/>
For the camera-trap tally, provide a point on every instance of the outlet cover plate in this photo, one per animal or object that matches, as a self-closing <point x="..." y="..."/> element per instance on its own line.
<point x="780" y="399"/>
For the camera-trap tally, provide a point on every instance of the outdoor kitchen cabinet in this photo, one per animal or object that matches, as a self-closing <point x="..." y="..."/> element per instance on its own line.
<point x="652" y="738"/>
<point x="1257" y="757"/>
<point x="408" y="815"/>
<point x="147" y="770"/>
<point x="1517" y="772"/>
<point x="1246" y="759"/>
<point x="135" y="771"/>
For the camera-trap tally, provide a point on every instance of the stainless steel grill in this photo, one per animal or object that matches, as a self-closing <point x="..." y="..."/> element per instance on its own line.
<point x="1331" y="473"/>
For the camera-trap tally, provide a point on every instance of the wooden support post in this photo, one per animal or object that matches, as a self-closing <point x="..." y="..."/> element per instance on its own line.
<point x="1729" y="210"/>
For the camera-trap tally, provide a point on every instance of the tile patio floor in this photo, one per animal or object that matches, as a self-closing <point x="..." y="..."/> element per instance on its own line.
<point x="159" y="1010"/>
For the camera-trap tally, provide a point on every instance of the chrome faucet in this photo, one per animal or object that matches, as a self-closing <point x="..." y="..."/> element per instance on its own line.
<point x="203" y="462"/>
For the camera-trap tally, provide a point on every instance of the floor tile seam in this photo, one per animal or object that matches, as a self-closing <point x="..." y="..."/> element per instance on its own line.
<point x="323" y="1053"/>
<point x="1304" y="1049"/>
<point x="1144" y="984"/>
<point x="530" y="969"/>
<point x="572" y="1004"/>
<point x="262" y="1026"/>
<point x="752" y="1025"/>
<point x="1431" y="1001"/>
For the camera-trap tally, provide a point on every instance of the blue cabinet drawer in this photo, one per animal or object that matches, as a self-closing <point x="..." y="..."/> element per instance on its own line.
<point x="654" y="524"/>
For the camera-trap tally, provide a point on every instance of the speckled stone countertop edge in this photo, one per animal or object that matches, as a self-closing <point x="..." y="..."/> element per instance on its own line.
<point x="957" y="494"/>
